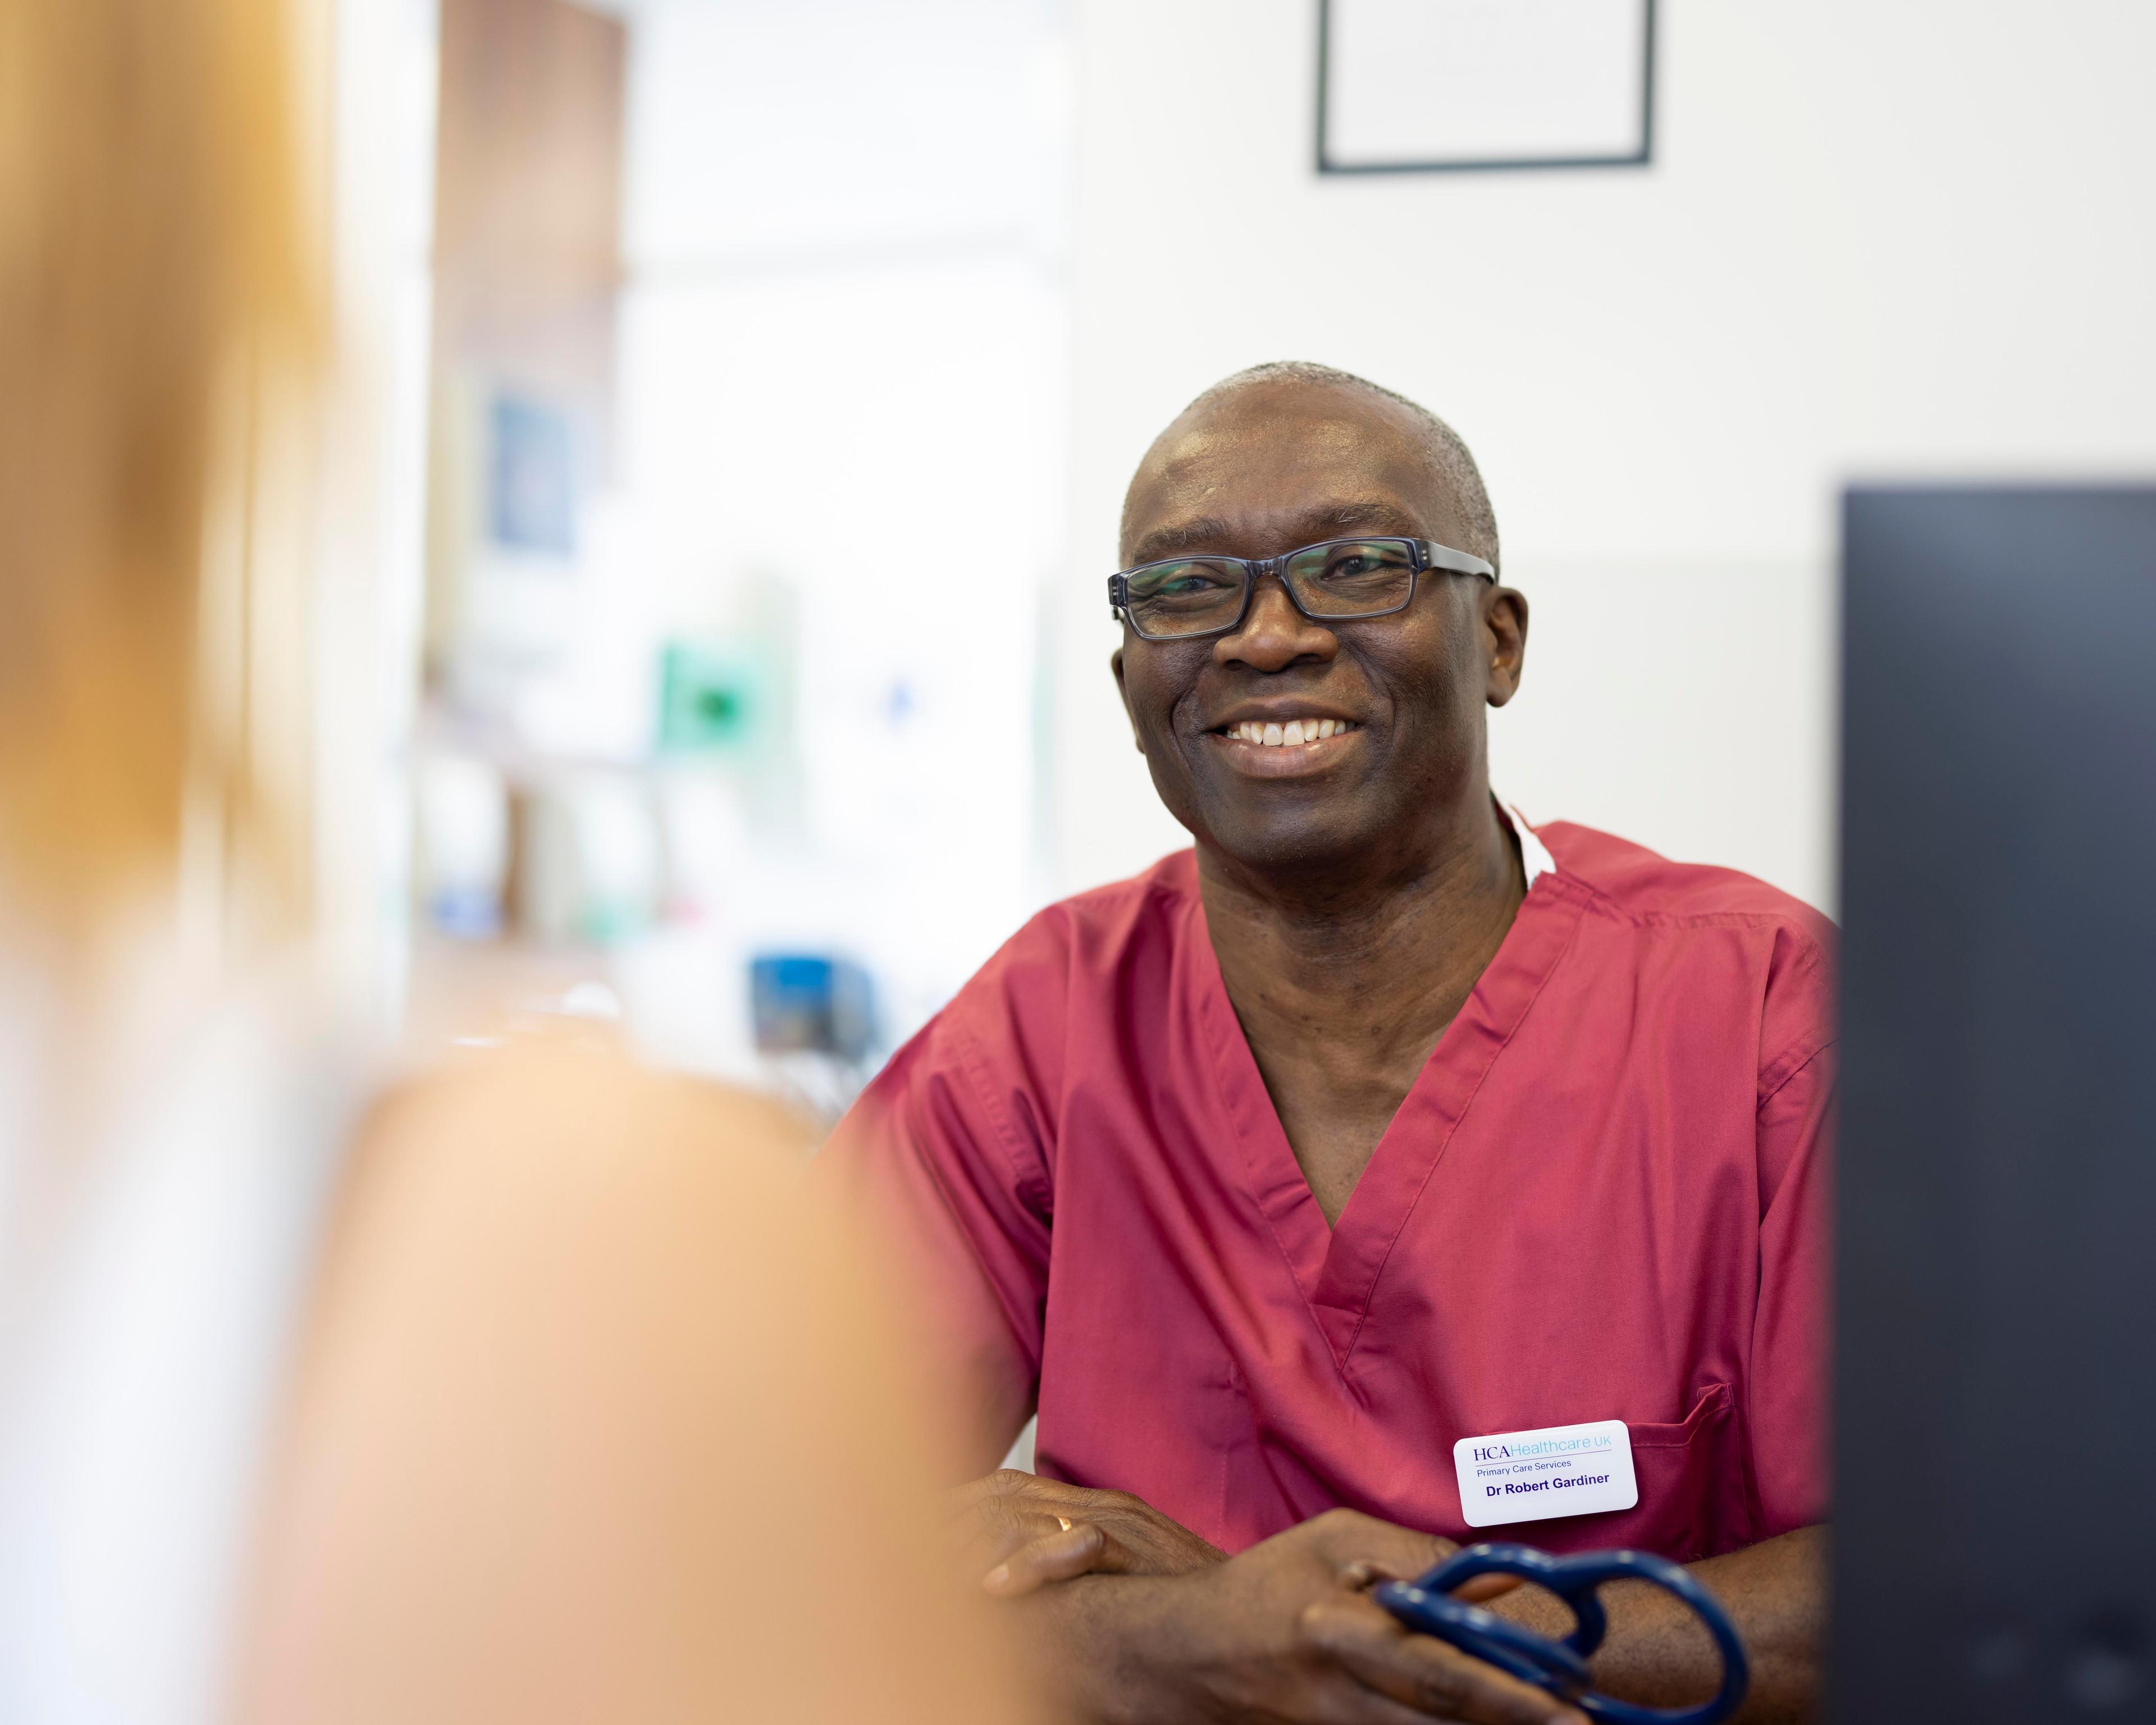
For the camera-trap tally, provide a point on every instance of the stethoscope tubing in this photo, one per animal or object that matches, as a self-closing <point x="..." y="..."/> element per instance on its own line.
<point x="1425" y="1603"/>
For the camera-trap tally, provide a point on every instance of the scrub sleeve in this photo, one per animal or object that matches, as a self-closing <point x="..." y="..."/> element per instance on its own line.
<point x="947" y="1175"/>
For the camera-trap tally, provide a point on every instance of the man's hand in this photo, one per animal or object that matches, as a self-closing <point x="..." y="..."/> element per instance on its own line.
<point x="1023" y="1531"/>
<point x="1285" y="1632"/>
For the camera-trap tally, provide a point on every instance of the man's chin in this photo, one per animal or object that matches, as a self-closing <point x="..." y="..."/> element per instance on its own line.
<point x="1298" y="850"/>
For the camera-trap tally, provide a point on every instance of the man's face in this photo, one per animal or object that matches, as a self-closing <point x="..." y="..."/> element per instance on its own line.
<point x="1271" y="467"/>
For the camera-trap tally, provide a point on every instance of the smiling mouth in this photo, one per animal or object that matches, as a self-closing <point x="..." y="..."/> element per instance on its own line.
<point x="1292" y="733"/>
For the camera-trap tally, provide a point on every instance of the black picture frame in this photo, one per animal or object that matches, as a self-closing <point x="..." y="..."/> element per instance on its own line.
<point x="1643" y="157"/>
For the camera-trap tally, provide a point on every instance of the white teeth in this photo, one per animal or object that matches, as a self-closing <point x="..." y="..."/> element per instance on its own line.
<point x="1293" y="730"/>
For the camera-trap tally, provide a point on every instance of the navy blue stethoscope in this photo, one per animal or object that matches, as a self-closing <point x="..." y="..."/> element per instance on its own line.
<point x="1425" y="1603"/>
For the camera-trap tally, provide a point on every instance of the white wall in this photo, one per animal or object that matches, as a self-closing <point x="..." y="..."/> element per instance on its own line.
<point x="1879" y="237"/>
<point x="845" y="374"/>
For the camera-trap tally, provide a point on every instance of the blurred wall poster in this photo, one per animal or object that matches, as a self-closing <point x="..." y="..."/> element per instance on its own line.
<point x="1438" y="85"/>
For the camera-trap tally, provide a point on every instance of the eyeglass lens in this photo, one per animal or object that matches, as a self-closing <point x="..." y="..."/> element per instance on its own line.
<point x="1349" y="578"/>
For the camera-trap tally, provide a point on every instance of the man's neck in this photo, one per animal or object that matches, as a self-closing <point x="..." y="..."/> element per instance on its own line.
<point x="1345" y="980"/>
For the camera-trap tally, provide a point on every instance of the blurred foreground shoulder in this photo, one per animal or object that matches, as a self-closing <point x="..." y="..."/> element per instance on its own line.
<point x="595" y="1415"/>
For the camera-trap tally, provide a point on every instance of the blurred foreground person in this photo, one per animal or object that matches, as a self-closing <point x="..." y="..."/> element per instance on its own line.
<point x="529" y="1392"/>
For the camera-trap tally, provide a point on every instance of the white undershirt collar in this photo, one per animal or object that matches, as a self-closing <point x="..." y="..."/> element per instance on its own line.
<point x="1534" y="856"/>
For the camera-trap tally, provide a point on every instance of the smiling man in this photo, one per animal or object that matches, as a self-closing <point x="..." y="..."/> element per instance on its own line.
<point x="1297" y="1179"/>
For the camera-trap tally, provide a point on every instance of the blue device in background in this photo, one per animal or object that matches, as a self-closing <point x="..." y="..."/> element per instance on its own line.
<point x="1426" y="1604"/>
<point x="808" y="1003"/>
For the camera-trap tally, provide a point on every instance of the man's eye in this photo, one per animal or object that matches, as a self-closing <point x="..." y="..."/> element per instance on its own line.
<point x="1190" y="584"/>
<point x="1353" y="566"/>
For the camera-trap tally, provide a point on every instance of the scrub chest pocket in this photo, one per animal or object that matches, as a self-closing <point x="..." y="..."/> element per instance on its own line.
<point x="1695" y="1498"/>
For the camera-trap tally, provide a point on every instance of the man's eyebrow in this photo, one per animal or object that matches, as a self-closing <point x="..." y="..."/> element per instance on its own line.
<point x="1322" y="520"/>
<point x="1364" y="515"/>
<point x="1205" y="533"/>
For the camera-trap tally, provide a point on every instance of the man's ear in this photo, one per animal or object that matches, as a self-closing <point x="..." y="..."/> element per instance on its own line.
<point x="1116" y="664"/>
<point x="1505" y="633"/>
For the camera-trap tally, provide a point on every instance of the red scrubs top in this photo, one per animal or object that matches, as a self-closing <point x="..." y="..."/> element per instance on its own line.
<point x="1604" y="1197"/>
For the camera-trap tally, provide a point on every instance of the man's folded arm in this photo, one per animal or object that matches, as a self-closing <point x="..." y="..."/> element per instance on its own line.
<point x="1657" y="1654"/>
<point x="1285" y="1631"/>
<point x="1127" y="1641"/>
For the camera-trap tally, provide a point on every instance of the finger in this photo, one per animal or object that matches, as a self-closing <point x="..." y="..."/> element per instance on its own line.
<point x="1425" y="1673"/>
<point x="1023" y="1534"/>
<point x="1476" y="1590"/>
<point x="1353" y="1542"/>
<point x="992" y="1508"/>
<point x="968" y="1498"/>
<point x="1009" y="1531"/>
<point x="1340" y="1700"/>
<point x="1009" y="1492"/>
<point x="1366" y="1572"/>
<point x="1081" y="1548"/>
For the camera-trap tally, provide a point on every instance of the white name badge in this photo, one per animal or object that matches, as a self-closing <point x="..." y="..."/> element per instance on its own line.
<point x="1558" y="1470"/>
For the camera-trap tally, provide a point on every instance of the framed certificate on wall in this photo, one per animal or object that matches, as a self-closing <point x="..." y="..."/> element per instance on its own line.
<point x="1407" y="86"/>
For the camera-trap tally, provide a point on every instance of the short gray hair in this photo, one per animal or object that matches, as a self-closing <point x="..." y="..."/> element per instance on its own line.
<point x="1448" y="452"/>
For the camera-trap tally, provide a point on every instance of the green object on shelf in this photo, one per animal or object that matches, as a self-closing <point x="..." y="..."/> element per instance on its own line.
<point x="713" y="701"/>
<point x="606" y="921"/>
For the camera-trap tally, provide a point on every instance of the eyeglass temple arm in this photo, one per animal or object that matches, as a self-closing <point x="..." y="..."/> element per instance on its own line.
<point x="1444" y="557"/>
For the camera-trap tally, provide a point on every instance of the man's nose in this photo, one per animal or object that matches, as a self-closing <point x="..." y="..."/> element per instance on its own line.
<point x="1274" y="634"/>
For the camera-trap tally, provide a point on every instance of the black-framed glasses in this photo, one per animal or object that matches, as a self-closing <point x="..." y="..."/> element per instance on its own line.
<point x="1180" y="598"/>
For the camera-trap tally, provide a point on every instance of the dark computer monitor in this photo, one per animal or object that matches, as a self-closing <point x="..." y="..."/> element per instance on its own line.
<point x="1994" y="1423"/>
